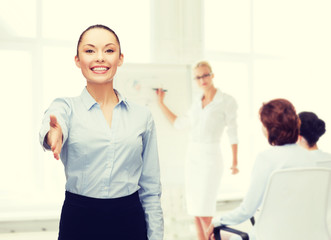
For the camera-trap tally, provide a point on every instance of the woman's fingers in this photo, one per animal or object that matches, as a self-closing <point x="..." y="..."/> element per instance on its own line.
<point x="53" y="121"/>
<point x="212" y="237"/>
<point x="234" y="169"/>
<point x="160" y="93"/>
<point x="56" y="156"/>
<point x="55" y="137"/>
<point x="56" y="149"/>
<point x="210" y="231"/>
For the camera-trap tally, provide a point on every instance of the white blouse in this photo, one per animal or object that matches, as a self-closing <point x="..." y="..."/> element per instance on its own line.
<point x="275" y="158"/>
<point x="207" y="124"/>
<point x="323" y="159"/>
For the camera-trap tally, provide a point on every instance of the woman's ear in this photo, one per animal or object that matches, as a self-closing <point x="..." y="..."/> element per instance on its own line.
<point x="77" y="61"/>
<point x="121" y="60"/>
<point x="212" y="75"/>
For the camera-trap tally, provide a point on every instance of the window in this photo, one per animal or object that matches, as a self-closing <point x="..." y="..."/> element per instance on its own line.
<point x="227" y="26"/>
<point x="11" y="25"/>
<point x="121" y="16"/>
<point x="299" y="52"/>
<point x="269" y="49"/>
<point x="16" y="121"/>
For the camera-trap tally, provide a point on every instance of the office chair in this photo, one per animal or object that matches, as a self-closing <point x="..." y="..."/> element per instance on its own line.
<point x="296" y="205"/>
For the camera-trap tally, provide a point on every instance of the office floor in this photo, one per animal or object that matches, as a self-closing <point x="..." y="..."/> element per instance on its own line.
<point x="177" y="224"/>
<point x="29" y="236"/>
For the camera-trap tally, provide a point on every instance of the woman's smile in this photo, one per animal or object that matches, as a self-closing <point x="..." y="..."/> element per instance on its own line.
<point x="99" y="69"/>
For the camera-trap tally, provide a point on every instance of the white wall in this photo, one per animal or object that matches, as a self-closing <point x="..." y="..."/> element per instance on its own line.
<point x="177" y="31"/>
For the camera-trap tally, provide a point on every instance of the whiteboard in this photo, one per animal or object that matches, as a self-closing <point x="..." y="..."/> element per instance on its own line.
<point x="136" y="83"/>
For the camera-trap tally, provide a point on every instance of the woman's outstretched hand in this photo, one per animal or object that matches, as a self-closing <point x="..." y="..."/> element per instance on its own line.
<point x="54" y="137"/>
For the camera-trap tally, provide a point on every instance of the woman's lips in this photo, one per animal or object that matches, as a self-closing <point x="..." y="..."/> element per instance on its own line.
<point x="99" y="69"/>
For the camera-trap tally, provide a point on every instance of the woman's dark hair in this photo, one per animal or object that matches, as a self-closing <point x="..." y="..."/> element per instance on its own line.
<point x="98" y="26"/>
<point x="312" y="128"/>
<point x="279" y="117"/>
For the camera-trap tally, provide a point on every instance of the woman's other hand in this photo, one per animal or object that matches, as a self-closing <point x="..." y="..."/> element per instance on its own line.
<point x="234" y="170"/>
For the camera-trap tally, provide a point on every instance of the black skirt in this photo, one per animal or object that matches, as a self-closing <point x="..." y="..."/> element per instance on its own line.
<point x="102" y="219"/>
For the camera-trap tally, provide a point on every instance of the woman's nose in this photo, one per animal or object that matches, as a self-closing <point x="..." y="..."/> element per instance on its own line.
<point x="100" y="57"/>
<point x="201" y="80"/>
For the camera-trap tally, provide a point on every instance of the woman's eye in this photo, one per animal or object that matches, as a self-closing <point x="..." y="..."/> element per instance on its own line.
<point x="109" y="50"/>
<point x="89" y="51"/>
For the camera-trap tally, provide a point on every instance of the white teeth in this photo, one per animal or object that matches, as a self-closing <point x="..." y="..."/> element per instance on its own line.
<point x="99" y="69"/>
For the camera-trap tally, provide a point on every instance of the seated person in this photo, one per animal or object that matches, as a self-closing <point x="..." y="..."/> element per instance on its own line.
<point x="280" y="125"/>
<point x="311" y="129"/>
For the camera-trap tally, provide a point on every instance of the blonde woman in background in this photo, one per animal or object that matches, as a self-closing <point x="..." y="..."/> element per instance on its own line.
<point x="207" y="118"/>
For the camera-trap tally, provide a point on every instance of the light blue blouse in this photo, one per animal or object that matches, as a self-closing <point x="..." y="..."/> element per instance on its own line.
<point x="109" y="162"/>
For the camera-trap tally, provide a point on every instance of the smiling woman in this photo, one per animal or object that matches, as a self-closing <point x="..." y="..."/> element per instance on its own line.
<point x="109" y="151"/>
<point x="45" y="47"/>
<point x="98" y="56"/>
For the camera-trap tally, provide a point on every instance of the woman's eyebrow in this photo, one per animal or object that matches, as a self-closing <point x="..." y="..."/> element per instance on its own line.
<point x="109" y="44"/>
<point x="91" y="45"/>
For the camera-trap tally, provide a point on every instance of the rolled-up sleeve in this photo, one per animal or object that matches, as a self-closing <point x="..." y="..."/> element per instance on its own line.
<point x="150" y="185"/>
<point x="60" y="108"/>
<point x="231" y="120"/>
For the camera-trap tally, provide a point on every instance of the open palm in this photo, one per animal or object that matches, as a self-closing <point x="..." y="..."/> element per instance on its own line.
<point x="54" y="137"/>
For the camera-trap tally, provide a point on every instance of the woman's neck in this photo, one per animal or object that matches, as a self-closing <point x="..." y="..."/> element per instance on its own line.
<point x="209" y="94"/>
<point x="313" y="148"/>
<point x="303" y="142"/>
<point x="103" y="94"/>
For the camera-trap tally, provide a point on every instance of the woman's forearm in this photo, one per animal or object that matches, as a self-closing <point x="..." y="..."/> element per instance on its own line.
<point x="167" y="112"/>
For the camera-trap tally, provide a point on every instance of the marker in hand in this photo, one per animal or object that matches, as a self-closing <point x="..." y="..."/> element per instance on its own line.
<point x="163" y="90"/>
